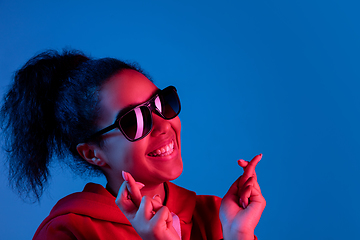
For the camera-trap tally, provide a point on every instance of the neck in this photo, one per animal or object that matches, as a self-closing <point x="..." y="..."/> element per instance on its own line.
<point x="151" y="191"/>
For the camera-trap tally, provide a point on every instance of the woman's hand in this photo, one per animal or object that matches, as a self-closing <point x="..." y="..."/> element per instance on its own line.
<point x="148" y="216"/>
<point x="243" y="204"/>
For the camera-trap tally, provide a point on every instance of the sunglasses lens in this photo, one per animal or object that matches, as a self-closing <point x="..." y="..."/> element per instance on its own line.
<point x="136" y="123"/>
<point x="168" y="104"/>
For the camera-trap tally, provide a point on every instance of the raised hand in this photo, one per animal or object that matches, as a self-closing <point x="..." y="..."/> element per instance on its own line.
<point x="150" y="219"/>
<point x="243" y="204"/>
<point x="129" y="196"/>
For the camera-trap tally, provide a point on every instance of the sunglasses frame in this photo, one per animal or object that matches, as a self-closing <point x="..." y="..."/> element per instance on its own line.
<point x="150" y="104"/>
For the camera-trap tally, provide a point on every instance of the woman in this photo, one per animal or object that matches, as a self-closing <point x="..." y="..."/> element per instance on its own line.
<point x="111" y="119"/>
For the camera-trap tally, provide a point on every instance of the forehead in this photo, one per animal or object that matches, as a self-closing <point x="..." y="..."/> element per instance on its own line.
<point x="124" y="89"/>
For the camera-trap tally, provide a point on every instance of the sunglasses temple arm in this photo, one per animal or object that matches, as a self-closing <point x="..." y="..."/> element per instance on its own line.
<point x="102" y="131"/>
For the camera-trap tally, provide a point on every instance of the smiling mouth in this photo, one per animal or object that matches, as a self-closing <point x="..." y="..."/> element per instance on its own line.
<point x="163" y="151"/>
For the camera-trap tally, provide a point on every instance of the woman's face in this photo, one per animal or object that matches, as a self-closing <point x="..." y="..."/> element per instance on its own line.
<point x="130" y="88"/>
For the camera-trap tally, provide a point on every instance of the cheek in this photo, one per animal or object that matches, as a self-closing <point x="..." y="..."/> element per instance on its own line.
<point x="176" y="124"/>
<point x="118" y="151"/>
<point x="123" y="154"/>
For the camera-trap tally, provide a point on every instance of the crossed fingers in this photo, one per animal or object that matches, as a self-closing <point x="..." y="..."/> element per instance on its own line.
<point x="248" y="187"/>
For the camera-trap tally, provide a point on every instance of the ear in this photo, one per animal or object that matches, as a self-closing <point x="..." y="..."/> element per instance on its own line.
<point x="91" y="153"/>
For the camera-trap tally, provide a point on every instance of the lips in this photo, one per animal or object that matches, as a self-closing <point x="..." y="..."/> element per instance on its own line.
<point x="163" y="151"/>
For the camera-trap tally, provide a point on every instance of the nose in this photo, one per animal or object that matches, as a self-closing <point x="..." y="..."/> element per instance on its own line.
<point x="160" y="125"/>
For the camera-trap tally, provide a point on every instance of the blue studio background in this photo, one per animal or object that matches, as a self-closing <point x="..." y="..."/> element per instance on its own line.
<point x="274" y="77"/>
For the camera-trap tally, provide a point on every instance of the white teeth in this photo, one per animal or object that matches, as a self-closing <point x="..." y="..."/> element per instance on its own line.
<point x="163" y="151"/>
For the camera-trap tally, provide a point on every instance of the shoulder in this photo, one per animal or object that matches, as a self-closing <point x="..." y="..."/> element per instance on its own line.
<point x="206" y="217"/>
<point x="207" y="210"/>
<point x="93" y="201"/>
<point x="94" y="208"/>
<point x="208" y="200"/>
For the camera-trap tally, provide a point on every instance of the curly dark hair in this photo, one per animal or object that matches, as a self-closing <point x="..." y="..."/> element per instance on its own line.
<point x="51" y="106"/>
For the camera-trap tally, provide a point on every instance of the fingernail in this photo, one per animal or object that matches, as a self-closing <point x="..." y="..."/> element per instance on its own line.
<point x="156" y="195"/>
<point x="141" y="185"/>
<point x="240" y="161"/>
<point x="243" y="205"/>
<point x="125" y="176"/>
<point x="260" y="154"/>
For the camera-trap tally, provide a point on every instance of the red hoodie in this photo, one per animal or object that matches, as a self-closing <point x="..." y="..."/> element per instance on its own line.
<point x="93" y="214"/>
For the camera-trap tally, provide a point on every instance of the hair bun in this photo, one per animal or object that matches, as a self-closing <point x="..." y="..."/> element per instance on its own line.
<point x="48" y="70"/>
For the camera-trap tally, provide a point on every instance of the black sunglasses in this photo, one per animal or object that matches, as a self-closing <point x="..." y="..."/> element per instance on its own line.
<point x="137" y="123"/>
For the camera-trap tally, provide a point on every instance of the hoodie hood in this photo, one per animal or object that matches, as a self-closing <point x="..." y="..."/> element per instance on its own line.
<point x="96" y="202"/>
